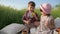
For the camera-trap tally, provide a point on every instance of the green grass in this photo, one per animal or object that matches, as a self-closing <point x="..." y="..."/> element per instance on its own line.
<point x="56" y="12"/>
<point x="9" y="15"/>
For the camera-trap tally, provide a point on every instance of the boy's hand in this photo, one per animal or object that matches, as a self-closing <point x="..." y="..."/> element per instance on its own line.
<point x="27" y="22"/>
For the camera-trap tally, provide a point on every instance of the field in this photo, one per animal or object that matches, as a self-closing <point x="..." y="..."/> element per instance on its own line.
<point x="9" y="15"/>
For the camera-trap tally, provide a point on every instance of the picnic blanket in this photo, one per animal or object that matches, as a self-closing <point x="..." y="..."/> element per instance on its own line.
<point x="13" y="28"/>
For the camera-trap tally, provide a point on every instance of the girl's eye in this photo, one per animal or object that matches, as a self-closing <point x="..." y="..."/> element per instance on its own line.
<point x="40" y="10"/>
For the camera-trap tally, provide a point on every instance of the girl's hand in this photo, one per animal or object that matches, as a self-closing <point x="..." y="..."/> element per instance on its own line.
<point x="46" y="24"/>
<point x="36" y="23"/>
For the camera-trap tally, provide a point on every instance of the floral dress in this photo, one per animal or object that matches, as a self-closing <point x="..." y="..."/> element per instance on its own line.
<point x="42" y="29"/>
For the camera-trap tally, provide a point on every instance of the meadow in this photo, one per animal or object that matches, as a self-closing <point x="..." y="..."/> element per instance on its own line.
<point x="9" y="15"/>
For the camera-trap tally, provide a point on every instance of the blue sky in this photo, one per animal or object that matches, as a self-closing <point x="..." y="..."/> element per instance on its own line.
<point x="20" y="4"/>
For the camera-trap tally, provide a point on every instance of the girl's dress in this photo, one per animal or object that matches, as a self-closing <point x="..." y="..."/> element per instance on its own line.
<point x="42" y="28"/>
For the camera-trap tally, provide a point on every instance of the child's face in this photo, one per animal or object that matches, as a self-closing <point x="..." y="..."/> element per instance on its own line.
<point x="43" y="13"/>
<point x="31" y="8"/>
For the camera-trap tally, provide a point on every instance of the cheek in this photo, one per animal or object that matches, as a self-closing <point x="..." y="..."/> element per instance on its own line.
<point x="32" y="8"/>
<point x="42" y="13"/>
<point x="29" y="8"/>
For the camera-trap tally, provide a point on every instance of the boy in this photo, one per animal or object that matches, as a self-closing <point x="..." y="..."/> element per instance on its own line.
<point x="30" y="18"/>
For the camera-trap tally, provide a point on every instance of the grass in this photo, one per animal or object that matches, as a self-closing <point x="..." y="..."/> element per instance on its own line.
<point x="9" y="15"/>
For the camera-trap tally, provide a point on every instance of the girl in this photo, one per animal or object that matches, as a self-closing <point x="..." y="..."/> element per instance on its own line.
<point x="47" y="21"/>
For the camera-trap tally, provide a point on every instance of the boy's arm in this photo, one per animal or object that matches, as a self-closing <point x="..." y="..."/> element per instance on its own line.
<point x="37" y="23"/>
<point x="37" y="17"/>
<point x="24" y="20"/>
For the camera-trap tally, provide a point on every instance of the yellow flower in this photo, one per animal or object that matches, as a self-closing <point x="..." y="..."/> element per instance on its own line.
<point x="33" y="14"/>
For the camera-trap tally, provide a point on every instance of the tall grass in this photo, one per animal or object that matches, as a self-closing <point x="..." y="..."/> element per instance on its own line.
<point x="9" y="15"/>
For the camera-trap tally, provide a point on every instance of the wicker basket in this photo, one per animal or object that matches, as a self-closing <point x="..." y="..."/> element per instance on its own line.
<point x="24" y="32"/>
<point x="58" y="30"/>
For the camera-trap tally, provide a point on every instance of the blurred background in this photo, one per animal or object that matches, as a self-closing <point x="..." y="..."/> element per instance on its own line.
<point x="12" y="11"/>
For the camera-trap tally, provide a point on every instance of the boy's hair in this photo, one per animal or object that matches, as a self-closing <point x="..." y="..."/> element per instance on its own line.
<point x="31" y="3"/>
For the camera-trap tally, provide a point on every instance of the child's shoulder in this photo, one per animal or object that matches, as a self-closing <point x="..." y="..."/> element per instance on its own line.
<point x="26" y="12"/>
<point x="50" y="18"/>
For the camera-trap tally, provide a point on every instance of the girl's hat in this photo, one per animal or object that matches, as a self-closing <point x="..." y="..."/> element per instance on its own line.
<point x="46" y="8"/>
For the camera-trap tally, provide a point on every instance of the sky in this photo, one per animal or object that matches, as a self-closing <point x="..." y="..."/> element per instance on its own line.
<point x="21" y="4"/>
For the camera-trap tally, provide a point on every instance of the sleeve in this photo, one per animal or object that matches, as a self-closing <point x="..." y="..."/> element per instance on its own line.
<point x="51" y="23"/>
<point x="24" y="17"/>
<point x="37" y="17"/>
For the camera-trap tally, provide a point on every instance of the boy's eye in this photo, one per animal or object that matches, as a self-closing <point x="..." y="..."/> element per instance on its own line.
<point x="32" y="7"/>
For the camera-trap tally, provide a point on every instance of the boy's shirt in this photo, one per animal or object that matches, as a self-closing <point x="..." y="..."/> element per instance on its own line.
<point x="30" y="16"/>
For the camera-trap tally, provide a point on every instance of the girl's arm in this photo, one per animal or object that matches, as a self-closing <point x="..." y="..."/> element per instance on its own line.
<point x="50" y="25"/>
<point x="24" y="19"/>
